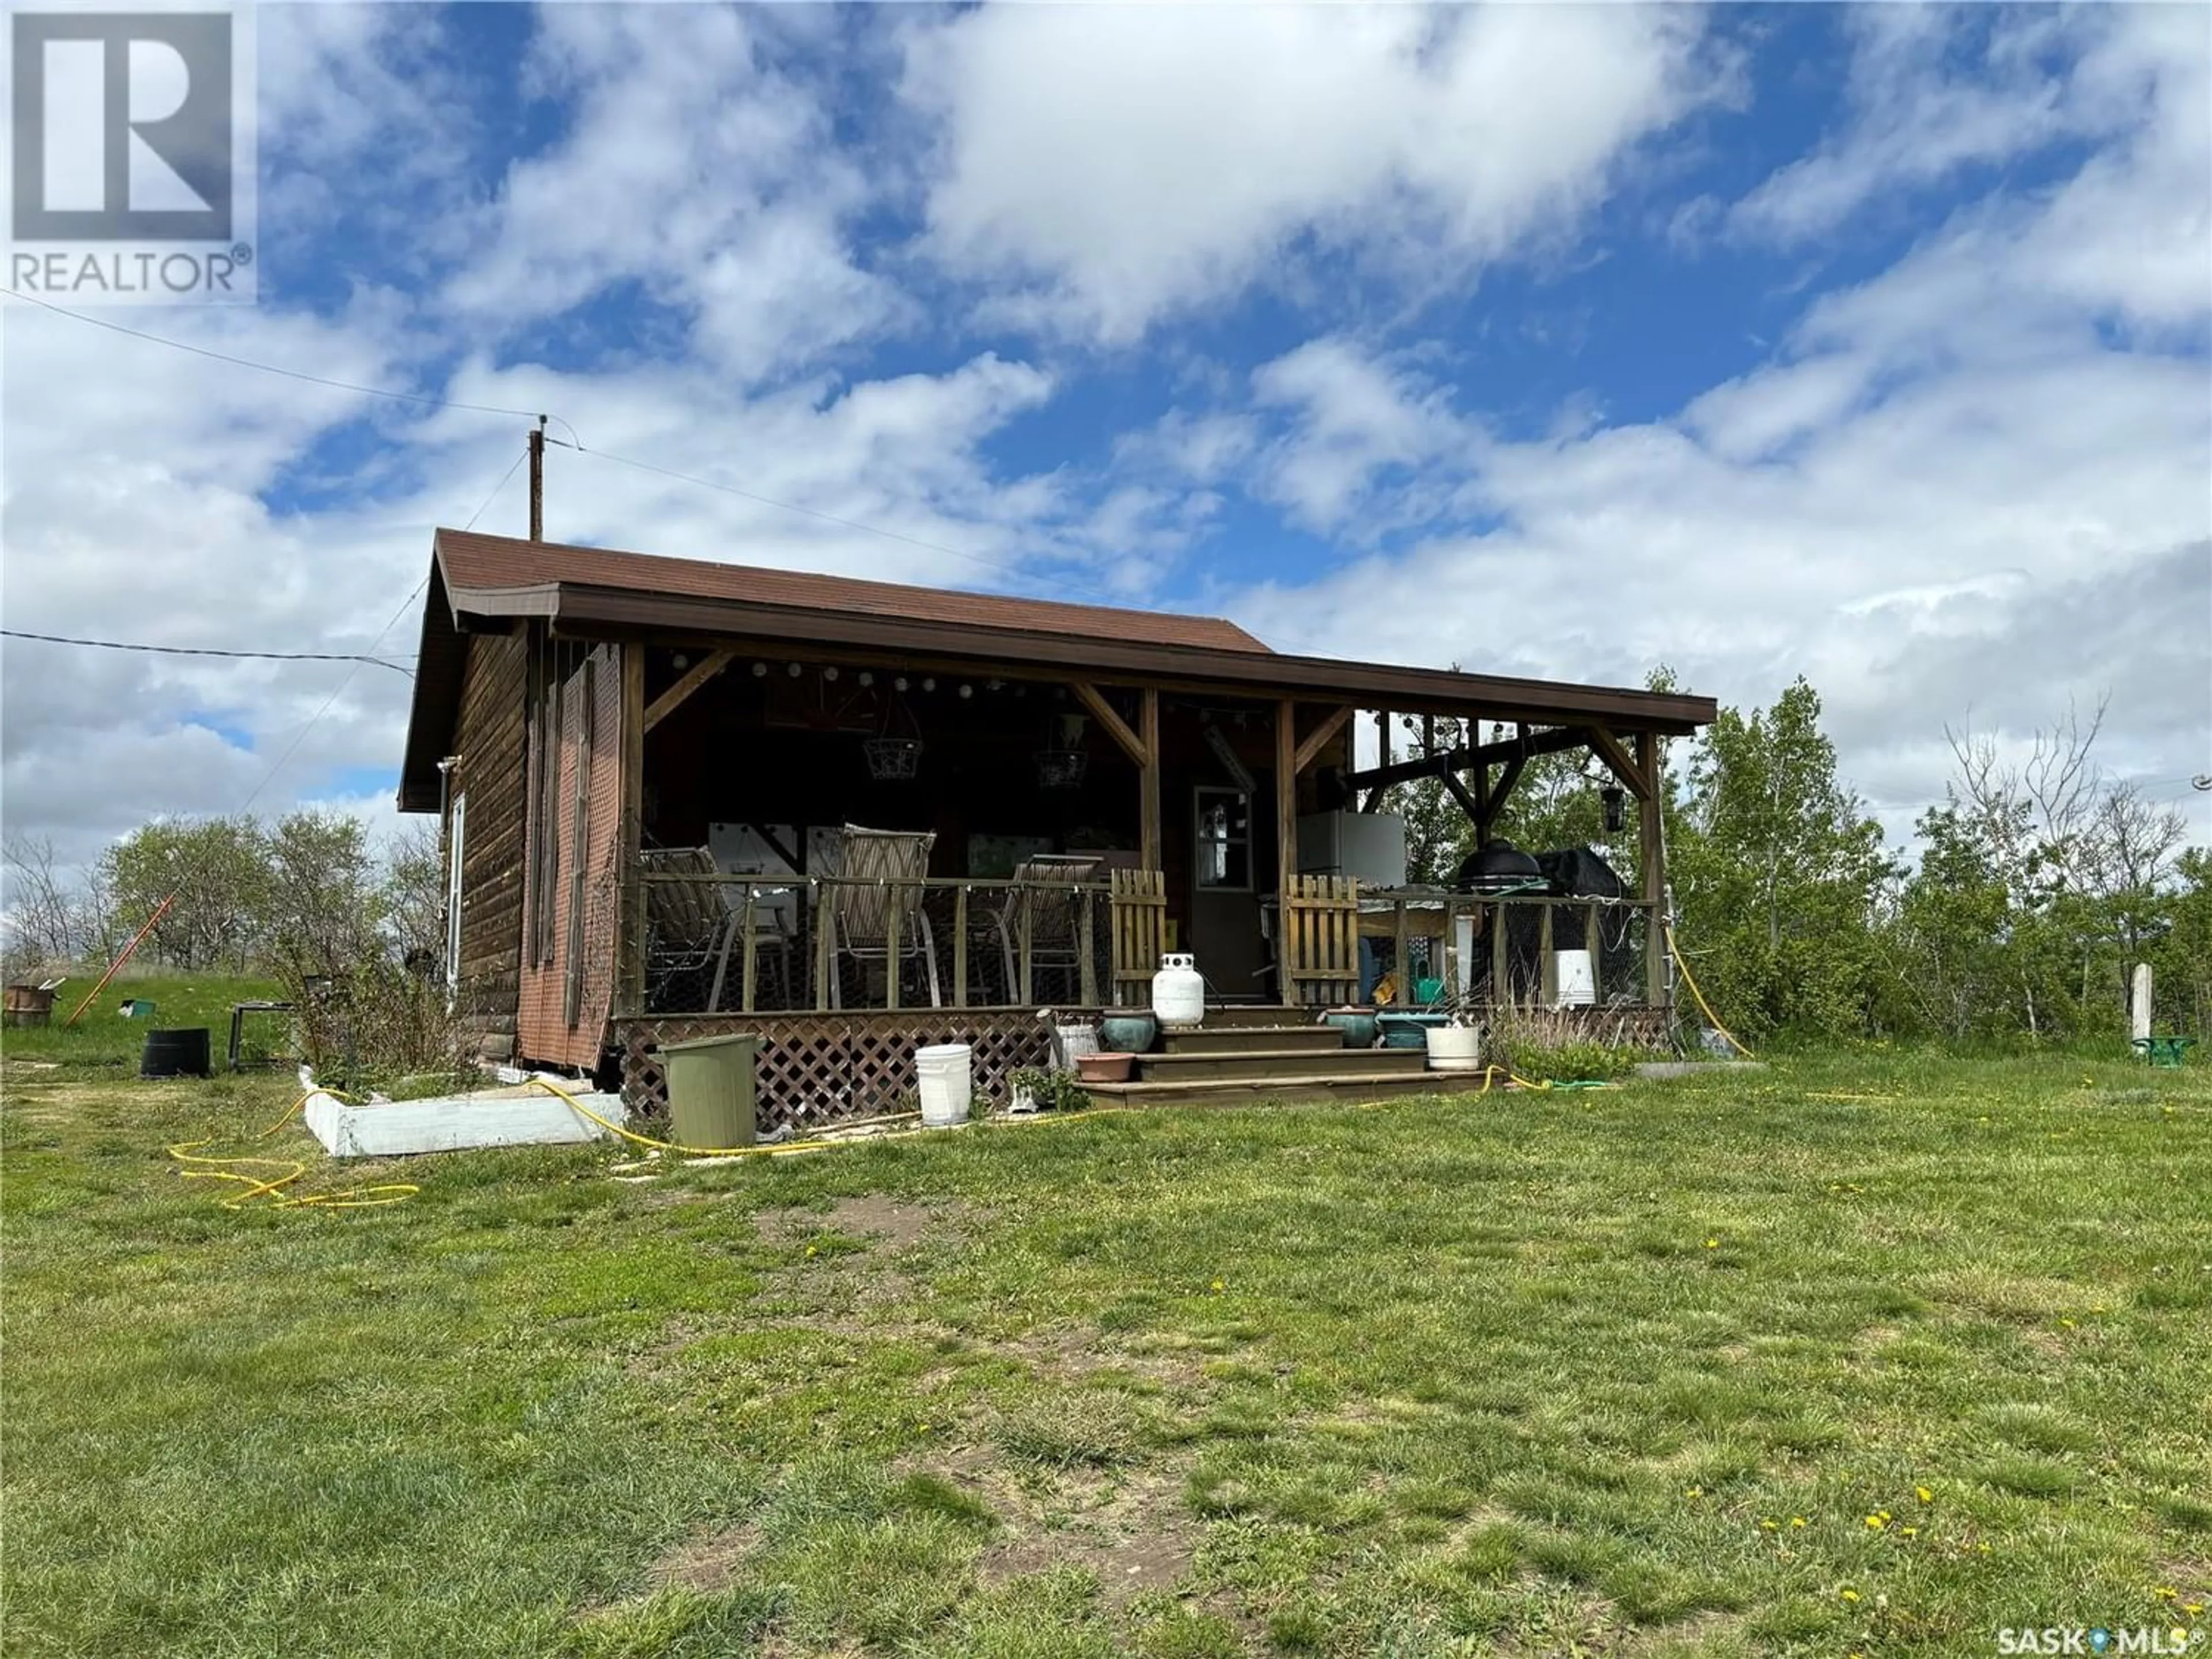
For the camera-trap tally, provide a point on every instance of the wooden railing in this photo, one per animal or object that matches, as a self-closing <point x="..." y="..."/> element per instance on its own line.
<point x="1329" y="915"/>
<point x="740" y="943"/>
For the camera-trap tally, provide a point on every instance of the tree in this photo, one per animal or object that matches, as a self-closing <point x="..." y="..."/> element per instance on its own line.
<point x="1778" y="869"/>
<point x="2086" y="868"/>
<point x="414" y="891"/>
<point x="43" y="916"/>
<point x="218" y="868"/>
<point x="324" y="899"/>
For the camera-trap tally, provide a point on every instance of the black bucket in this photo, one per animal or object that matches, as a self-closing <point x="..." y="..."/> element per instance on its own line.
<point x="176" y="1054"/>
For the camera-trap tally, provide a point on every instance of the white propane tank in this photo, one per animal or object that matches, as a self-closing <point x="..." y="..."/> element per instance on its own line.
<point x="1179" y="991"/>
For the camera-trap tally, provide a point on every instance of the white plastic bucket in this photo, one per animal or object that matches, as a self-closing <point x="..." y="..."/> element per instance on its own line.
<point x="947" y="1081"/>
<point x="1455" y="1048"/>
<point x="1577" y="984"/>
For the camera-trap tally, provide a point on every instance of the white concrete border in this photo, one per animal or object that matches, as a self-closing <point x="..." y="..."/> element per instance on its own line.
<point x="451" y="1123"/>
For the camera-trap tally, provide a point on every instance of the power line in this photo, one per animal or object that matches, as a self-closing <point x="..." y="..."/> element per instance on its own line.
<point x="210" y="651"/>
<point x="405" y="604"/>
<point x="496" y="487"/>
<point x="423" y="398"/>
<point x="263" y="656"/>
<point x="431" y="401"/>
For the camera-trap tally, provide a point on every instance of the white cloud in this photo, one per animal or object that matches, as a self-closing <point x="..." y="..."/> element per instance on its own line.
<point x="1111" y="165"/>
<point x="692" y="167"/>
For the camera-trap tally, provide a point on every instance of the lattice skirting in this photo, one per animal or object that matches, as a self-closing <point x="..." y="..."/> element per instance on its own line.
<point x="817" y="1068"/>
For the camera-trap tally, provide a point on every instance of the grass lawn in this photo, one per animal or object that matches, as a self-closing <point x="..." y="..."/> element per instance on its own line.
<point x="104" y="1042"/>
<point x="1873" y="1356"/>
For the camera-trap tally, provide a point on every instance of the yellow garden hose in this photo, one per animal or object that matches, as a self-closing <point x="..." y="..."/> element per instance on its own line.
<point x="272" y="1186"/>
<point x="1691" y="979"/>
<point x="631" y="1135"/>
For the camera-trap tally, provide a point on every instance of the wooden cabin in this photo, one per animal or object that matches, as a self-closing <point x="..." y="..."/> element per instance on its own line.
<point x="853" y="816"/>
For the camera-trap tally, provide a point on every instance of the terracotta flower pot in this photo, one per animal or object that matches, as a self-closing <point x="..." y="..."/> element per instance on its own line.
<point x="1105" y="1069"/>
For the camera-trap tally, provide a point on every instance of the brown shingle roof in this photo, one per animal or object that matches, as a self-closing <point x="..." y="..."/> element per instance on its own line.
<point x="479" y="563"/>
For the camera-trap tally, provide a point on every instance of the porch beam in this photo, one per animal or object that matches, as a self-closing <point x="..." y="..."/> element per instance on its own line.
<point x="1610" y="750"/>
<point x="1460" y="792"/>
<point x="1238" y="676"/>
<point x="1320" y="737"/>
<point x="1552" y="742"/>
<point x="630" y="922"/>
<point x="1286" y="844"/>
<point x="1135" y="747"/>
<point x="693" y="677"/>
<point x="1653" y="856"/>
<point x="1353" y="780"/>
<point x="1494" y="802"/>
<point x="1148" y="781"/>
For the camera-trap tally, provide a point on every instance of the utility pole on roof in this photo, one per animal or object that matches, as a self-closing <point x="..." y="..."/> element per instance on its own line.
<point x="538" y="481"/>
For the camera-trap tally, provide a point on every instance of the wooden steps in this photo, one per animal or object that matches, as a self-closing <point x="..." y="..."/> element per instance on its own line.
<point x="1251" y="1091"/>
<point x="1258" y="1064"/>
<point x="1243" y="1055"/>
<point x="1244" y="1039"/>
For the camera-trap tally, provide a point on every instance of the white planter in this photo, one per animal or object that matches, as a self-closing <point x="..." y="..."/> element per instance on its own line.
<point x="1455" y="1048"/>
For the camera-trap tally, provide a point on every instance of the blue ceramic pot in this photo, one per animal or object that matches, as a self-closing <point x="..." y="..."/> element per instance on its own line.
<point x="1409" y="1031"/>
<point x="1128" y="1031"/>
<point x="1358" y="1025"/>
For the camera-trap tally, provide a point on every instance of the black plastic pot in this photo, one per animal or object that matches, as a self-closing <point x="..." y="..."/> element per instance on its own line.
<point x="183" y="1052"/>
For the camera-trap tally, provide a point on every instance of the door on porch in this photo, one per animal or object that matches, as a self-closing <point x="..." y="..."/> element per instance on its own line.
<point x="1227" y="877"/>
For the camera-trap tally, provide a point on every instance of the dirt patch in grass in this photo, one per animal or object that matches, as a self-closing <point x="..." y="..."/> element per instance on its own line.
<point x="705" y="1562"/>
<point x="898" y="1221"/>
<point x="1131" y="1530"/>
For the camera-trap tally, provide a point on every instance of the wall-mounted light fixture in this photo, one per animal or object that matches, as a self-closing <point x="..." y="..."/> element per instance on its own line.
<point x="760" y="671"/>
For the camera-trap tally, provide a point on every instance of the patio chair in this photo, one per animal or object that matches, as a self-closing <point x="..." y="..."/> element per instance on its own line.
<point x="882" y="873"/>
<point x="1053" y="938"/>
<point x="690" y="924"/>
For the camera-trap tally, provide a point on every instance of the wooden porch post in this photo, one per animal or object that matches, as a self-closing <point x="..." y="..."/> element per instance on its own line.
<point x="630" y="925"/>
<point x="1148" y="779"/>
<point x="1374" y="803"/>
<point x="1654" y="860"/>
<point x="1286" y="843"/>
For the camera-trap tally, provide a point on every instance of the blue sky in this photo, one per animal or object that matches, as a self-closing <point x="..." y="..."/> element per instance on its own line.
<point x="1865" y="343"/>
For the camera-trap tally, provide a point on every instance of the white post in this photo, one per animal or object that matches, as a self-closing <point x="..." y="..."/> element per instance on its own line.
<point x="2139" y="1003"/>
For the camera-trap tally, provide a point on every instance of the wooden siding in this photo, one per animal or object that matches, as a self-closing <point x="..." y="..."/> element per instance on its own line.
<point x="489" y="770"/>
<point x="568" y="985"/>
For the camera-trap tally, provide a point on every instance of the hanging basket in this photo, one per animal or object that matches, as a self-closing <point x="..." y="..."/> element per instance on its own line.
<point x="892" y="760"/>
<point x="1061" y="768"/>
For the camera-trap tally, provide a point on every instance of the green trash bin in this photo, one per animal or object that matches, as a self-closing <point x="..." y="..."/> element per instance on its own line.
<point x="710" y="1090"/>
